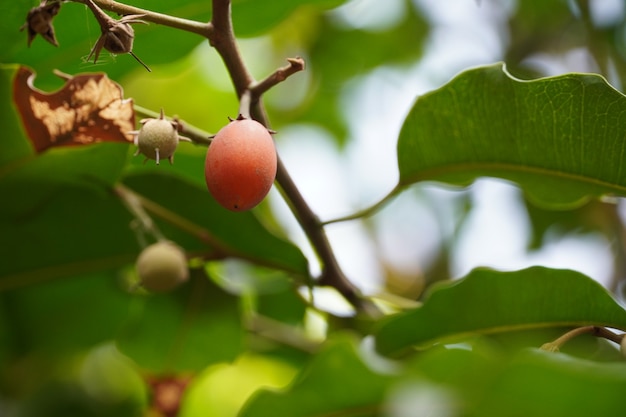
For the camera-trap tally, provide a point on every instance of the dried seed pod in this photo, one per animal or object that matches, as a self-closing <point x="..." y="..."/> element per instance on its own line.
<point x="117" y="35"/>
<point x="39" y="21"/>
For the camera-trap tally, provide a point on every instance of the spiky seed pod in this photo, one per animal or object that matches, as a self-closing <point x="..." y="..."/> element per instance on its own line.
<point x="157" y="139"/>
<point x="117" y="35"/>
<point x="162" y="266"/>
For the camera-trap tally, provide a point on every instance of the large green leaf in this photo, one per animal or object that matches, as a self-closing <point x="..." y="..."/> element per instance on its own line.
<point x="555" y="385"/>
<point x="64" y="316"/>
<point x="337" y="382"/>
<point x="560" y="138"/>
<point x="488" y="301"/>
<point x="529" y="383"/>
<point x="241" y="233"/>
<point x="251" y="20"/>
<point x="199" y="324"/>
<point x="74" y="230"/>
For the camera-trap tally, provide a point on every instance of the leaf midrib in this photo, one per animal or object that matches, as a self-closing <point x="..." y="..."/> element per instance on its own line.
<point x="436" y="172"/>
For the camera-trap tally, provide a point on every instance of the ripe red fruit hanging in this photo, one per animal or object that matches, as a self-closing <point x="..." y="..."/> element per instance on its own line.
<point x="240" y="165"/>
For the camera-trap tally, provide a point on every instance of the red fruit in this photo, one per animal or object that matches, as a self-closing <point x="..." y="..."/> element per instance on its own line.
<point x="240" y="165"/>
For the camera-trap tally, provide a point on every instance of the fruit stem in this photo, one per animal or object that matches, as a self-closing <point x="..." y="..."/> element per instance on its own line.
<point x="244" y="105"/>
<point x="280" y="332"/>
<point x="221" y="249"/>
<point x="197" y="136"/>
<point x="281" y="74"/>
<point x="368" y="211"/>
<point x="597" y="331"/>
<point x="134" y="205"/>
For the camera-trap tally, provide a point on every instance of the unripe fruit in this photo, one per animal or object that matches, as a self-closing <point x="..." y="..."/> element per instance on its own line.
<point x="240" y="165"/>
<point x="161" y="267"/>
<point x="157" y="139"/>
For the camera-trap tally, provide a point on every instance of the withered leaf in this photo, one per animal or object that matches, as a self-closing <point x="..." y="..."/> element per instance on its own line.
<point x="89" y="108"/>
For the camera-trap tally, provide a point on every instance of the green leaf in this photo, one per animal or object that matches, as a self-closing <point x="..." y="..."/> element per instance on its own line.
<point x="187" y="330"/>
<point x="545" y="384"/>
<point x="240" y="232"/>
<point x="15" y="146"/>
<point x="251" y="20"/>
<point x="488" y="301"/>
<point x="67" y="231"/>
<point x="560" y="138"/>
<point x="529" y="383"/>
<point x="336" y="382"/>
<point x="64" y="316"/>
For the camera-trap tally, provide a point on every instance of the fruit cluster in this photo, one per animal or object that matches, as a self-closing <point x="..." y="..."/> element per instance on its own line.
<point x="240" y="168"/>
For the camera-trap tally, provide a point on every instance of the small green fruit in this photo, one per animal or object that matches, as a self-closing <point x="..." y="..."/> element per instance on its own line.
<point x="161" y="267"/>
<point x="157" y="139"/>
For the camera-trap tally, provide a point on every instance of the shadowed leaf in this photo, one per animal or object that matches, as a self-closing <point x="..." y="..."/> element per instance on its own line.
<point x="488" y="301"/>
<point x="337" y="382"/>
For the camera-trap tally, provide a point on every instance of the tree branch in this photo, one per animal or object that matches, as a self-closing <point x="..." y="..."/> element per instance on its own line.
<point x="202" y="29"/>
<point x="281" y="74"/>
<point x="223" y="39"/>
<point x="219" y="32"/>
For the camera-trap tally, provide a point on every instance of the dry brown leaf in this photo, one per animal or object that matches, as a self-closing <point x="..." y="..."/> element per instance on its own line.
<point x="89" y="108"/>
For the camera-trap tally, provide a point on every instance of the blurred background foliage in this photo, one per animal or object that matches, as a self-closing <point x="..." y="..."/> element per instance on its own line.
<point x="67" y="329"/>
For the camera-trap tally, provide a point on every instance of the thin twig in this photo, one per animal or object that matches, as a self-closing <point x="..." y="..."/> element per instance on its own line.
<point x="368" y="211"/>
<point x="196" y="135"/>
<point x="597" y="331"/>
<point x="281" y="333"/>
<point x="134" y="205"/>
<point x="281" y="74"/>
<point x="203" y="29"/>
<point x="221" y="249"/>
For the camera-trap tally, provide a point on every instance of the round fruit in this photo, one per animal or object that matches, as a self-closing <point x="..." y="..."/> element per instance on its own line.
<point x="240" y="165"/>
<point x="161" y="267"/>
<point x="157" y="139"/>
